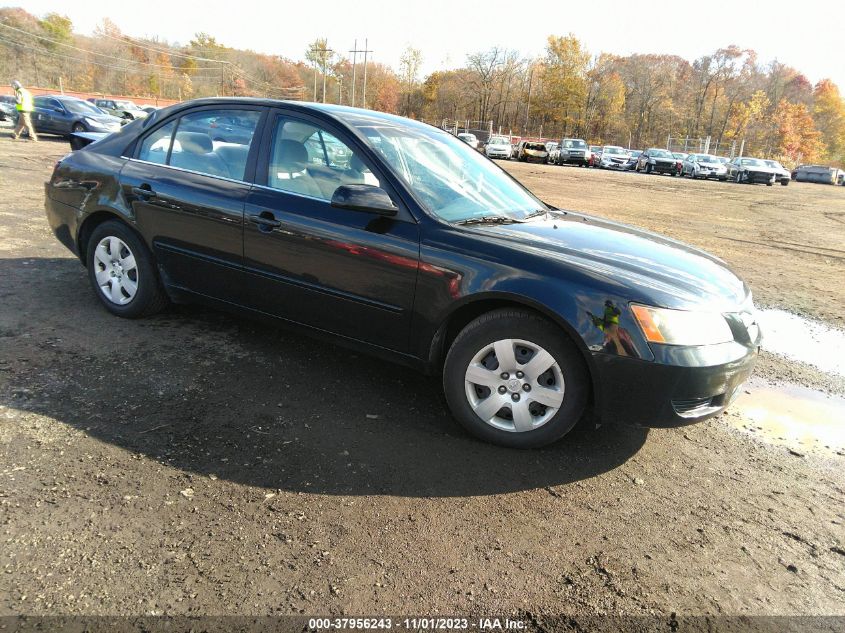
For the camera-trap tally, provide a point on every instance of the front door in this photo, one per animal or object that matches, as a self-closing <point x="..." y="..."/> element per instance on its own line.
<point x="352" y="273"/>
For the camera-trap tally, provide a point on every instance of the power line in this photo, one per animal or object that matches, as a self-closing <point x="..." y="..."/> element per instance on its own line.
<point x="89" y="52"/>
<point x="92" y="62"/>
<point x="136" y="42"/>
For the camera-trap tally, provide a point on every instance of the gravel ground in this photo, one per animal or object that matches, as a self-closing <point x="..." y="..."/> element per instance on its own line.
<point x="198" y="463"/>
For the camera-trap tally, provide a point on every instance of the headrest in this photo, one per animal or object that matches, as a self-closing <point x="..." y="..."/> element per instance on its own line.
<point x="291" y="154"/>
<point x="195" y="142"/>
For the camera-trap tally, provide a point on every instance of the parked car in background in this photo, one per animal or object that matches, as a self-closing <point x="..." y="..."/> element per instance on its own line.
<point x="633" y="157"/>
<point x="744" y="169"/>
<point x="704" y="166"/>
<point x="595" y="155"/>
<point x="420" y="251"/>
<point x="60" y="114"/>
<point x="552" y="149"/>
<point x="817" y="173"/>
<point x="469" y="138"/>
<point x="613" y="157"/>
<point x="532" y="152"/>
<point x="228" y="128"/>
<point x="498" y="147"/>
<point x="121" y="108"/>
<point x="658" y="161"/>
<point x="783" y="174"/>
<point x="8" y="111"/>
<point x="574" y="151"/>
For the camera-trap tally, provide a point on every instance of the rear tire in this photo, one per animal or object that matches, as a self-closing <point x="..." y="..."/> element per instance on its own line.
<point x="122" y="272"/>
<point x="541" y="413"/>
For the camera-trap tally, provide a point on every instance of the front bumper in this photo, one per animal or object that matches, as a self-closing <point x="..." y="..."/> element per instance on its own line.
<point x="759" y="177"/>
<point x="683" y="385"/>
<point x="665" y="168"/>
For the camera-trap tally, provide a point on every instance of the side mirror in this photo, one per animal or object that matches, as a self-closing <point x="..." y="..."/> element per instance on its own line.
<point x="364" y="198"/>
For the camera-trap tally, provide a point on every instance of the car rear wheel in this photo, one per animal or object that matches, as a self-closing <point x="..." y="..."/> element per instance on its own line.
<point x="513" y="378"/>
<point x="122" y="272"/>
<point x="78" y="127"/>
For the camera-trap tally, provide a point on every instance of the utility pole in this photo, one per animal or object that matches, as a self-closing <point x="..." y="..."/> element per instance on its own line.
<point x="323" y="59"/>
<point x="528" y="101"/>
<point x="354" y="52"/>
<point x="365" y="71"/>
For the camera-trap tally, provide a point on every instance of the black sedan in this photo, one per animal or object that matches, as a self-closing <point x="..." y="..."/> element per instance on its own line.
<point x="658" y="161"/>
<point x="416" y="248"/>
<point x="60" y="114"/>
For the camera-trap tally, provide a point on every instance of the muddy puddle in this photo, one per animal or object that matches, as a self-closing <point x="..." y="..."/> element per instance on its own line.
<point x="803" y="340"/>
<point x="800" y="419"/>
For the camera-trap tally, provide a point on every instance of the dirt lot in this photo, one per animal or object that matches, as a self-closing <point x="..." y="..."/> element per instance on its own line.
<point x="199" y="463"/>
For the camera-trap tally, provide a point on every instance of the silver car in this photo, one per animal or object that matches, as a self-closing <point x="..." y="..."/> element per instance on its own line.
<point x="704" y="166"/>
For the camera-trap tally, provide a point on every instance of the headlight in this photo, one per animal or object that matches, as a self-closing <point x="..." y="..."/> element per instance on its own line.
<point x="681" y="327"/>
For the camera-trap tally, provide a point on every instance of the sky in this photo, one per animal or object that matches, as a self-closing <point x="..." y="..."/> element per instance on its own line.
<point x="795" y="33"/>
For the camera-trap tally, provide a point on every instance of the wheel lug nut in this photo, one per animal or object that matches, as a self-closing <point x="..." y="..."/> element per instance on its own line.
<point x="515" y="397"/>
<point x="502" y="389"/>
<point x="519" y="374"/>
<point x="505" y="375"/>
<point x="526" y="387"/>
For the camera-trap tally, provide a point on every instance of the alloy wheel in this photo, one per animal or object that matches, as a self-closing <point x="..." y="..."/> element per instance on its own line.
<point x="514" y="385"/>
<point x="116" y="270"/>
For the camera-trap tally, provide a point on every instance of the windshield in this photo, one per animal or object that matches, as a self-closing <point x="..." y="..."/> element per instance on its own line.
<point x="706" y="158"/>
<point x="576" y="144"/>
<point x="751" y="162"/>
<point x="499" y="140"/>
<point x="660" y="153"/>
<point x="774" y="163"/>
<point x="551" y="146"/>
<point x="449" y="178"/>
<point x="81" y="107"/>
<point x="467" y="137"/>
<point x="126" y="105"/>
<point x="610" y="149"/>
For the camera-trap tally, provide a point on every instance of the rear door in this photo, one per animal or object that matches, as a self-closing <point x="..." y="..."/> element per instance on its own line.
<point x="188" y="192"/>
<point x="351" y="273"/>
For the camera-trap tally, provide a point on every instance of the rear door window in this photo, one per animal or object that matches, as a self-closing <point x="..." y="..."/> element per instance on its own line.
<point x="214" y="142"/>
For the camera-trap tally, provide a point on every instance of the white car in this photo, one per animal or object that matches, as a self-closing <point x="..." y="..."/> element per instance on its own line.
<point x="469" y="139"/>
<point x="613" y="157"/>
<point x="704" y="166"/>
<point x="498" y="147"/>
<point x="553" y="149"/>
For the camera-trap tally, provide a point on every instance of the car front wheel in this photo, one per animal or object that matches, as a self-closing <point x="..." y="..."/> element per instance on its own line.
<point x="513" y="378"/>
<point x="122" y="273"/>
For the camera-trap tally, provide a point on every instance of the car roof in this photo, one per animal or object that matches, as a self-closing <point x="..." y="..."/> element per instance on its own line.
<point x="353" y="117"/>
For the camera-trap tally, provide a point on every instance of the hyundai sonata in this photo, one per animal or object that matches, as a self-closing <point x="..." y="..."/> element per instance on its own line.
<point x="414" y="246"/>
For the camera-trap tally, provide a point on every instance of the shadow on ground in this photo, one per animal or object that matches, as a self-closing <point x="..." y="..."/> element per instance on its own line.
<point x="213" y="393"/>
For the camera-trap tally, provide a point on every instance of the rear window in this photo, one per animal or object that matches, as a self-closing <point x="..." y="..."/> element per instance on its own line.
<point x="574" y="144"/>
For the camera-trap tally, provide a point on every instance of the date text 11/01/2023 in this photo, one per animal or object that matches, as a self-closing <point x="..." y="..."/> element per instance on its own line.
<point x="416" y="624"/>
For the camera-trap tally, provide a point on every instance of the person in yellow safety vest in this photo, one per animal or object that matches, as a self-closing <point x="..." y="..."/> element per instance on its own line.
<point x="24" y="106"/>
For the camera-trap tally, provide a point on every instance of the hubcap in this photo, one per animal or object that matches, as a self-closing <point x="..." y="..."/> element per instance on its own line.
<point x="514" y="385"/>
<point x="115" y="270"/>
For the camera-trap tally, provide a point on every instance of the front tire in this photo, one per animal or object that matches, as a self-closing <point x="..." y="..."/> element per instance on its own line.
<point x="78" y="127"/>
<point x="122" y="272"/>
<point x="514" y="379"/>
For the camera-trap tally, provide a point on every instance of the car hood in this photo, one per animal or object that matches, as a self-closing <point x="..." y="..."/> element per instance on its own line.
<point x="651" y="267"/>
<point x="105" y="119"/>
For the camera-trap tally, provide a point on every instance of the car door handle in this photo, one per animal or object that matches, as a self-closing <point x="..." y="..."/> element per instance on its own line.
<point x="265" y="220"/>
<point x="144" y="192"/>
